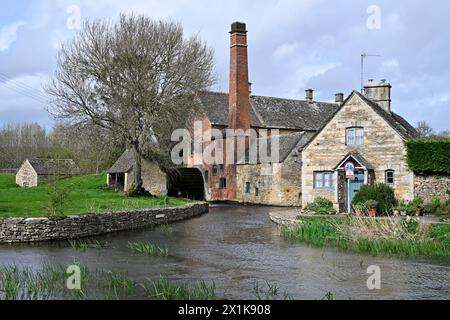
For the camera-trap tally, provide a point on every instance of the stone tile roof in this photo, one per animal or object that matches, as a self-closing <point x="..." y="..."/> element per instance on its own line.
<point x="124" y="164"/>
<point x="270" y="112"/>
<point x="54" y="166"/>
<point x="397" y="122"/>
<point x="287" y="143"/>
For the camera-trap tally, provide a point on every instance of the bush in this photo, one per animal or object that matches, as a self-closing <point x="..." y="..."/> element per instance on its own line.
<point x="381" y="193"/>
<point x="58" y="195"/>
<point x="432" y="207"/>
<point x="428" y="156"/>
<point x="321" y="206"/>
<point x="410" y="225"/>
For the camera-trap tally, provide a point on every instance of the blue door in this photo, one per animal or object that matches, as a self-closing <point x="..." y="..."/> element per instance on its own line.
<point x="353" y="187"/>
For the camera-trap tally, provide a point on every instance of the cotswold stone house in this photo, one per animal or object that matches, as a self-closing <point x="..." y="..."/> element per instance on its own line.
<point x="121" y="175"/>
<point x="34" y="172"/>
<point x="317" y="140"/>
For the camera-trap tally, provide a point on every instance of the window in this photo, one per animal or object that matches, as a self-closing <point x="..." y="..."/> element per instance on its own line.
<point x="257" y="192"/>
<point x="323" y="180"/>
<point x="214" y="170"/>
<point x="206" y="176"/>
<point x="222" y="167"/>
<point x="247" y="188"/>
<point x="390" y="177"/>
<point x="354" y="136"/>
<point x="223" y="183"/>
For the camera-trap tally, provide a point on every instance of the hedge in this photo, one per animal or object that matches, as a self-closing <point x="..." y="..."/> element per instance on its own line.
<point x="429" y="157"/>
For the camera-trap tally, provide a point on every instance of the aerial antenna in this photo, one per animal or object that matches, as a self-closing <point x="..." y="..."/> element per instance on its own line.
<point x="364" y="56"/>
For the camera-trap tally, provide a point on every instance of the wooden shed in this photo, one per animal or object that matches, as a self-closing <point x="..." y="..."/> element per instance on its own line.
<point x="34" y="172"/>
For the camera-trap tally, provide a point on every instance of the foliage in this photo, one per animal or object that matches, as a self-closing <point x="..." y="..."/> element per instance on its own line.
<point x="89" y="194"/>
<point x="411" y="225"/>
<point x="381" y="193"/>
<point x="148" y="249"/>
<point x="429" y="157"/>
<point x="370" y="204"/>
<point x="58" y="196"/>
<point x="321" y="206"/>
<point x="163" y="289"/>
<point x="374" y="236"/>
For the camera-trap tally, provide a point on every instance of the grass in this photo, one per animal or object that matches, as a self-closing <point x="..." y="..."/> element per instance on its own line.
<point x="376" y="237"/>
<point x="148" y="249"/>
<point x="88" y="194"/>
<point x="163" y="289"/>
<point x="23" y="283"/>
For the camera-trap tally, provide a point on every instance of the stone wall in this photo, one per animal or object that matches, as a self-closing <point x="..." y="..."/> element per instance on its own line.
<point x="17" y="230"/>
<point x="428" y="186"/>
<point x="26" y="176"/>
<point x="153" y="179"/>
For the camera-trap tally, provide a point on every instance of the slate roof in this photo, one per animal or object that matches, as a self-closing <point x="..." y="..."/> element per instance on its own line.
<point x="54" y="166"/>
<point x="124" y="164"/>
<point x="287" y="143"/>
<point x="270" y="112"/>
<point x="397" y="122"/>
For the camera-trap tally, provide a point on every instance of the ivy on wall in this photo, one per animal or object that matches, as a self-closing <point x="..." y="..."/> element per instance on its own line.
<point x="429" y="157"/>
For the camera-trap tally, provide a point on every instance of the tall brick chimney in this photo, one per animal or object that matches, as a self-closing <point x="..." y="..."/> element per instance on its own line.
<point x="239" y="104"/>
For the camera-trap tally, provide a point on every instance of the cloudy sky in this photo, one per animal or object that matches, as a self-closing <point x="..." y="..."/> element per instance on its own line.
<point x="293" y="45"/>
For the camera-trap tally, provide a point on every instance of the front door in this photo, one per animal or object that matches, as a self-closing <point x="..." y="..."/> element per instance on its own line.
<point x="353" y="187"/>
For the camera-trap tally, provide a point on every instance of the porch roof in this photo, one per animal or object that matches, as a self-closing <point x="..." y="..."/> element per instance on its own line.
<point x="359" y="159"/>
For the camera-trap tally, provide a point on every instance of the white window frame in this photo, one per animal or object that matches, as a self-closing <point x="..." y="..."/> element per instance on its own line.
<point x="354" y="136"/>
<point x="323" y="180"/>
<point x="387" y="179"/>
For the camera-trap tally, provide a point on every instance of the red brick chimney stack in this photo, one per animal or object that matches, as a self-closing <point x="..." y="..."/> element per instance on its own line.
<point x="239" y="104"/>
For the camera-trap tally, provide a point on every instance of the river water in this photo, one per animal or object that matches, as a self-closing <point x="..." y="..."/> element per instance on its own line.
<point x="236" y="247"/>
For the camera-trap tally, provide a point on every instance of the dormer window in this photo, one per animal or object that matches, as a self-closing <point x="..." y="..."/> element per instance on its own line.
<point x="354" y="136"/>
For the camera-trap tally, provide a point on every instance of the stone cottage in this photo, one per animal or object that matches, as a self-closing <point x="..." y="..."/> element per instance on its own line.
<point x="121" y="175"/>
<point x="34" y="172"/>
<point x="316" y="141"/>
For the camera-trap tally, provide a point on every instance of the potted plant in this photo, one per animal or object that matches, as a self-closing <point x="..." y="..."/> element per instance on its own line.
<point x="359" y="210"/>
<point x="416" y="207"/>
<point x="371" y="207"/>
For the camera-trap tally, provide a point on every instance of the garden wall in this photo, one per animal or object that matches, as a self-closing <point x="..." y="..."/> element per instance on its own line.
<point x="428" y="186"/>
<point x="17" y="230"/>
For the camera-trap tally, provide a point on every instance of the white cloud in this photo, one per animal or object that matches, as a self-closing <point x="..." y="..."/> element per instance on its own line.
<point x="8" y="35"/>
<point x="286" y="50"/>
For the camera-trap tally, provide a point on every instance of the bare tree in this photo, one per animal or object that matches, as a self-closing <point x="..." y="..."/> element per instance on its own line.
<point x="135" y="78"/>
<point x="424" y="129"/>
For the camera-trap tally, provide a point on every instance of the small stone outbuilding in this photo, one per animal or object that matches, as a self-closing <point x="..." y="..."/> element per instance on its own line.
<point x="121" y="175"/>
<point x="34" y="172"/>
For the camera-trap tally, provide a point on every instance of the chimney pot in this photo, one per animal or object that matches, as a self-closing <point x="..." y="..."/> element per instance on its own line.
<point x="238" y="27"/>
<point x="339" y="98"/>
<point x="309" y="95"/>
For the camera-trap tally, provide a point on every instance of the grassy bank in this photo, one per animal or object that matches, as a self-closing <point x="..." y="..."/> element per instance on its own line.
<point x="376" y="237"/>
<point x="88" y="194"/>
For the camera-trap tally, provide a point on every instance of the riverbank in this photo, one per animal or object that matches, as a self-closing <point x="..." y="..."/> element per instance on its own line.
<point x="20" y="230"/>
<point x="386" y="237"/>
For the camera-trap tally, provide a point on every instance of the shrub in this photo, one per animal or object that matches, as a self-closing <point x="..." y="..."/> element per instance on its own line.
<point x="321" y="206"/>
<point x="410" y="225"/>
<point x="428" y="156"/>
<point x="432" y="207"/>
<point x="381" y="193"/>
<point x="370" y="204"/>
<point x="58" y="195"/>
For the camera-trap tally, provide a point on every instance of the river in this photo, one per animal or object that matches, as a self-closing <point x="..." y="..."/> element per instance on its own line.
<point x="236" y="247"/>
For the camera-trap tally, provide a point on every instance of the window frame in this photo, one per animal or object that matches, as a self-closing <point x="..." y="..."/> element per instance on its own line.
<point x="357" y="135"/>
<point x="386" y="178"/>
<point x="322" y="175"/>
<point x="215" y="170"/>
<point x="248" y="188"/>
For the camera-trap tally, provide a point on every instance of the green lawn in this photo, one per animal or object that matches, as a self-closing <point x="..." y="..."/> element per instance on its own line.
<point x="88" y="195"/>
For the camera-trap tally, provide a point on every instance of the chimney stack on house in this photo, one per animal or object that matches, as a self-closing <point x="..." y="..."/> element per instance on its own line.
<point x="239" y="103"/>
<point x="379" y="92"/>
<point x="339" y="98"/>
<point x="310" y="95"/>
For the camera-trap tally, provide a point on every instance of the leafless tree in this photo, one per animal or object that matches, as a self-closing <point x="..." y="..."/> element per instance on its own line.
<point x="134" y="78"/>
<point x="424" y="129"/>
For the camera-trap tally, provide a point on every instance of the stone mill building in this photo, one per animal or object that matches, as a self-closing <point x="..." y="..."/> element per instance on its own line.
<point x="316" y="140"/>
